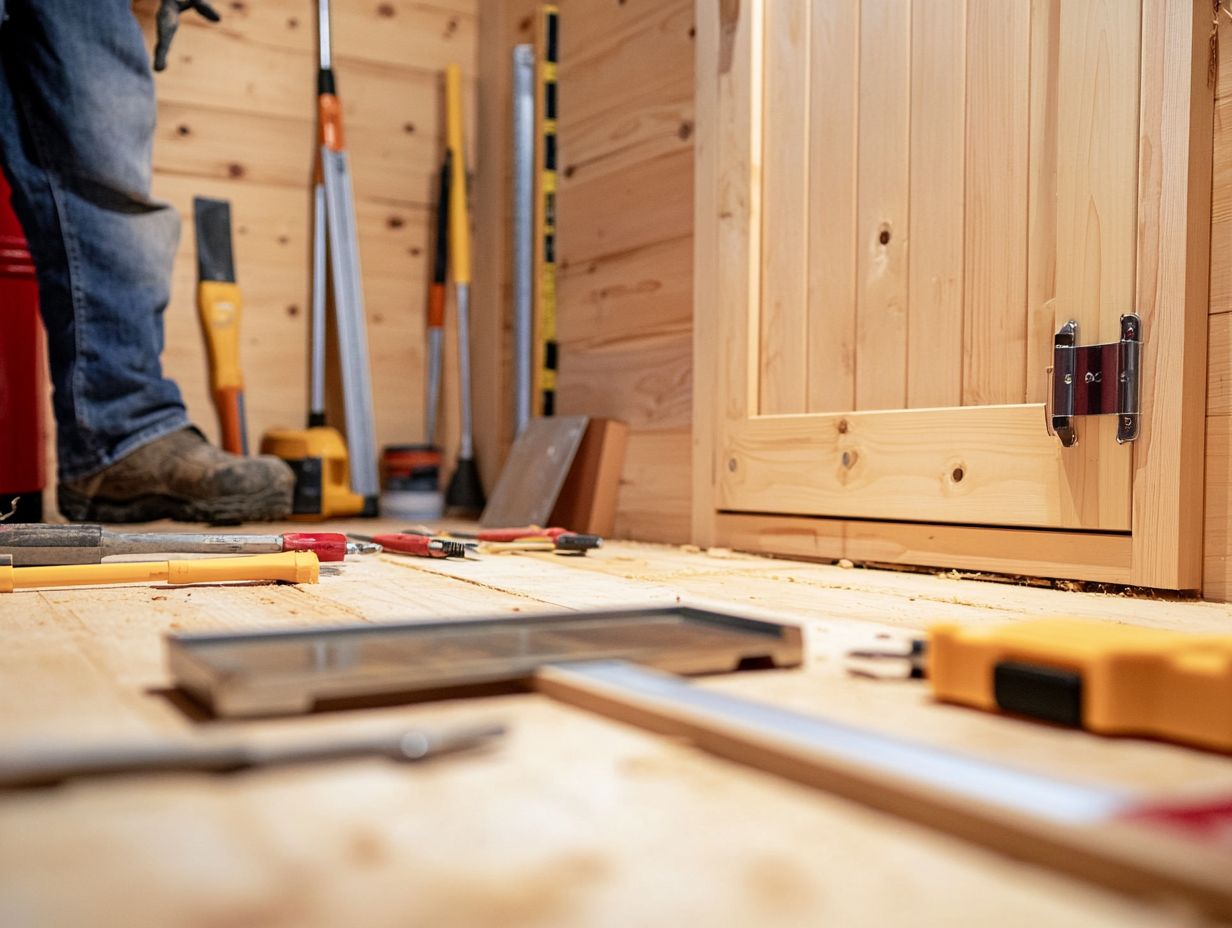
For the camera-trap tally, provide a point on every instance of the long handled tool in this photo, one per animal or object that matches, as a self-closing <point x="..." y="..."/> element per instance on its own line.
<point x="333" y="477"/>
<point x="50" y="766"/>
<point x="219" y="307"/>
<point x="347" y="283"/>
<point x="523" y="232"/>
<point x="290" y="567"/>
<point x="436" y="301"/>
<point x="48" y="545"/>
<point x="465" y="492"/>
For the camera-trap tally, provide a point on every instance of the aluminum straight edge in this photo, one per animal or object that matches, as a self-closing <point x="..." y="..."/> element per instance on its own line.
<point x="466" y="440"/>
<point x="316" y="379"/>
<point x="352" y="331"/>
<point x="523" y="229"/>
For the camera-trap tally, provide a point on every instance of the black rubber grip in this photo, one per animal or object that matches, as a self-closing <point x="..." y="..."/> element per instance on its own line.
<point x="1052" y="694"/>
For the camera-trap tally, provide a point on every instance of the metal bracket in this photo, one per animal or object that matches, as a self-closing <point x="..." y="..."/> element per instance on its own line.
<point x="1095" y="380"/>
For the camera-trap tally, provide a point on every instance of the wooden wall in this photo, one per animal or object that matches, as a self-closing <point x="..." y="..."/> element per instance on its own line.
<point x="236" y="119"/>
<point x="626" y="243"/>
<point x="625" y="238"/>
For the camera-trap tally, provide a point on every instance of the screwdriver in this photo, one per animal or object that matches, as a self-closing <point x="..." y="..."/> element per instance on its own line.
<point x="562" y="539"/>
<point x="47" y="545"/>
<point x="290" y="567"/>
<point x="1106" y="677"/>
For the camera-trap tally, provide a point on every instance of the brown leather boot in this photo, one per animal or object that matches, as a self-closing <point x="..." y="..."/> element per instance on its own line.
<point x="182" y="476"/>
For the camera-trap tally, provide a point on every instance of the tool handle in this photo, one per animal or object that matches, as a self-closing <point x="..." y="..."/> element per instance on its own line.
<point x="436" y="306"/>
<point x="459" y="213"/>
<point x="291" y="567"/>
<point x="329" y="121"/>
<point x="229" y="401"/>
<point x="328" y="546"/>
<point x="417" y="545"/>
<point x="219" y="306"/>
<point x="571" y="541"/>
<point x="516" y="534"/>
<point x="52" y="544"/>
<point x="445" y="185"/>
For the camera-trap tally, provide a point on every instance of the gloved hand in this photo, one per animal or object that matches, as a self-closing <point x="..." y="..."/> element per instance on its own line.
<point x="168" y="20"/>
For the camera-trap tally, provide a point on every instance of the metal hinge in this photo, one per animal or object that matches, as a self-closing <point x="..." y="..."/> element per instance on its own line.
<point x="1095" y="380"/>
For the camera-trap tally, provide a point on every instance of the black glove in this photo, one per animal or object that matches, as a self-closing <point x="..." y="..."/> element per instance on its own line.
<point x="168" y="21"/>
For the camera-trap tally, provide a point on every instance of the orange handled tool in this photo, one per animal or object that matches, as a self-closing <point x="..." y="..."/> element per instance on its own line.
<point x="416" y="545"/>
<point x="42" y="545"/>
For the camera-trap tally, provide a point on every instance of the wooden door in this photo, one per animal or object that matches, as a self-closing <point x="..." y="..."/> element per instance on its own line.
<point x="899" y="203"/>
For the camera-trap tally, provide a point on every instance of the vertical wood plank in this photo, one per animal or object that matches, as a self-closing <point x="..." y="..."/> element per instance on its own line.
<point x="882" y="198"/>
<point x="1173" y="271"/>
<point x="832" y="121"/>
<point x="706" y="289"/>
<point x="1042" y="196"/>
<point x="1097" y="179"/>
<point x="994" y="336"/>
<point x="935" y="294"/>
<point x="784" y="286"/>
<point x="729" y="345"/>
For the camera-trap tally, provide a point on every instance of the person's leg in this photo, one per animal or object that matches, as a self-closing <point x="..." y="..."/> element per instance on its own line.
<point x="76" y="126"/>
<point x="77" y="136"/>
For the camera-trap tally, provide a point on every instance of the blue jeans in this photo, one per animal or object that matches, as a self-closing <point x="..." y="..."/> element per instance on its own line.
<point x="76" y="133"/>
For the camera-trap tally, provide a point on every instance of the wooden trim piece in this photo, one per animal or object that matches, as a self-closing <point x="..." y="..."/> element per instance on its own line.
<point x="728" y="222"/>
<point x="1174" y="225"/>
<point x="914" y="464"/>
<point x="1104" y="558"/>
<point x="705" y="270"/>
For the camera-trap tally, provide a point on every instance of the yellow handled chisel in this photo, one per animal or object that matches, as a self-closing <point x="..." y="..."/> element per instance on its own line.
<point x="219" y="306"/>
<point x="288" y="567"/>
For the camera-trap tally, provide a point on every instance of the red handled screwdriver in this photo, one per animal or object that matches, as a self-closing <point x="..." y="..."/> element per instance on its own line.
<point x="416" y="545"/>
<point x="54" y="545"/>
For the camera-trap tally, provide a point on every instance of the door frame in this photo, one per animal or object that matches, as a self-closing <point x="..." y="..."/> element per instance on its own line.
<point x="1164" y="545"/>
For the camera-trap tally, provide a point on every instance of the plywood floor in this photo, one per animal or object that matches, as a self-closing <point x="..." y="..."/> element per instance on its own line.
<point x="573" y="819"/>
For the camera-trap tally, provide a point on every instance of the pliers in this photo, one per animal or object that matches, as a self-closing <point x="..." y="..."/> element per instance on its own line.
<point x="417" y="545"/>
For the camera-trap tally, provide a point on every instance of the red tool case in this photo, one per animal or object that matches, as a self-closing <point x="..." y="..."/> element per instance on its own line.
<point x="22" y="374"/>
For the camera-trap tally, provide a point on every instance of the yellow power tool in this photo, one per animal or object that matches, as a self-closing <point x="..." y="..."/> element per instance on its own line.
<point x="1105" y="677"/>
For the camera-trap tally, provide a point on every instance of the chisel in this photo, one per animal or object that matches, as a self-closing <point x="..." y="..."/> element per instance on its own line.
<point x="289" y="567"/>
<point x="47" y="545"/>
<point x="48" y="766"/>
<point x="219" y="306"/>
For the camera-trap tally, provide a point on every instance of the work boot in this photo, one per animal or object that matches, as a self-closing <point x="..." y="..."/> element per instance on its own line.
<point x="182" y="476"/>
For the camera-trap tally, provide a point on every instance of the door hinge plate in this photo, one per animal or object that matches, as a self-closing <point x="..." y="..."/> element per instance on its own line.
<point x="1095" y="380"/>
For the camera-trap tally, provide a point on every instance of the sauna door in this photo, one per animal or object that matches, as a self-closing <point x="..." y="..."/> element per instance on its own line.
<point x="908" y="201"/>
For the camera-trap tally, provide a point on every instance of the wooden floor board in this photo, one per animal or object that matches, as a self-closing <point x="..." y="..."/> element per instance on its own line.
<point x="574" y="819"/>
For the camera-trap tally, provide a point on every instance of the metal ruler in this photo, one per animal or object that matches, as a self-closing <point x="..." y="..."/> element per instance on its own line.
<point x="347" y="282"/>
<point x="523" y="231"/>
<point x="545" y="213"/>
<point x="1110" y="835"/>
